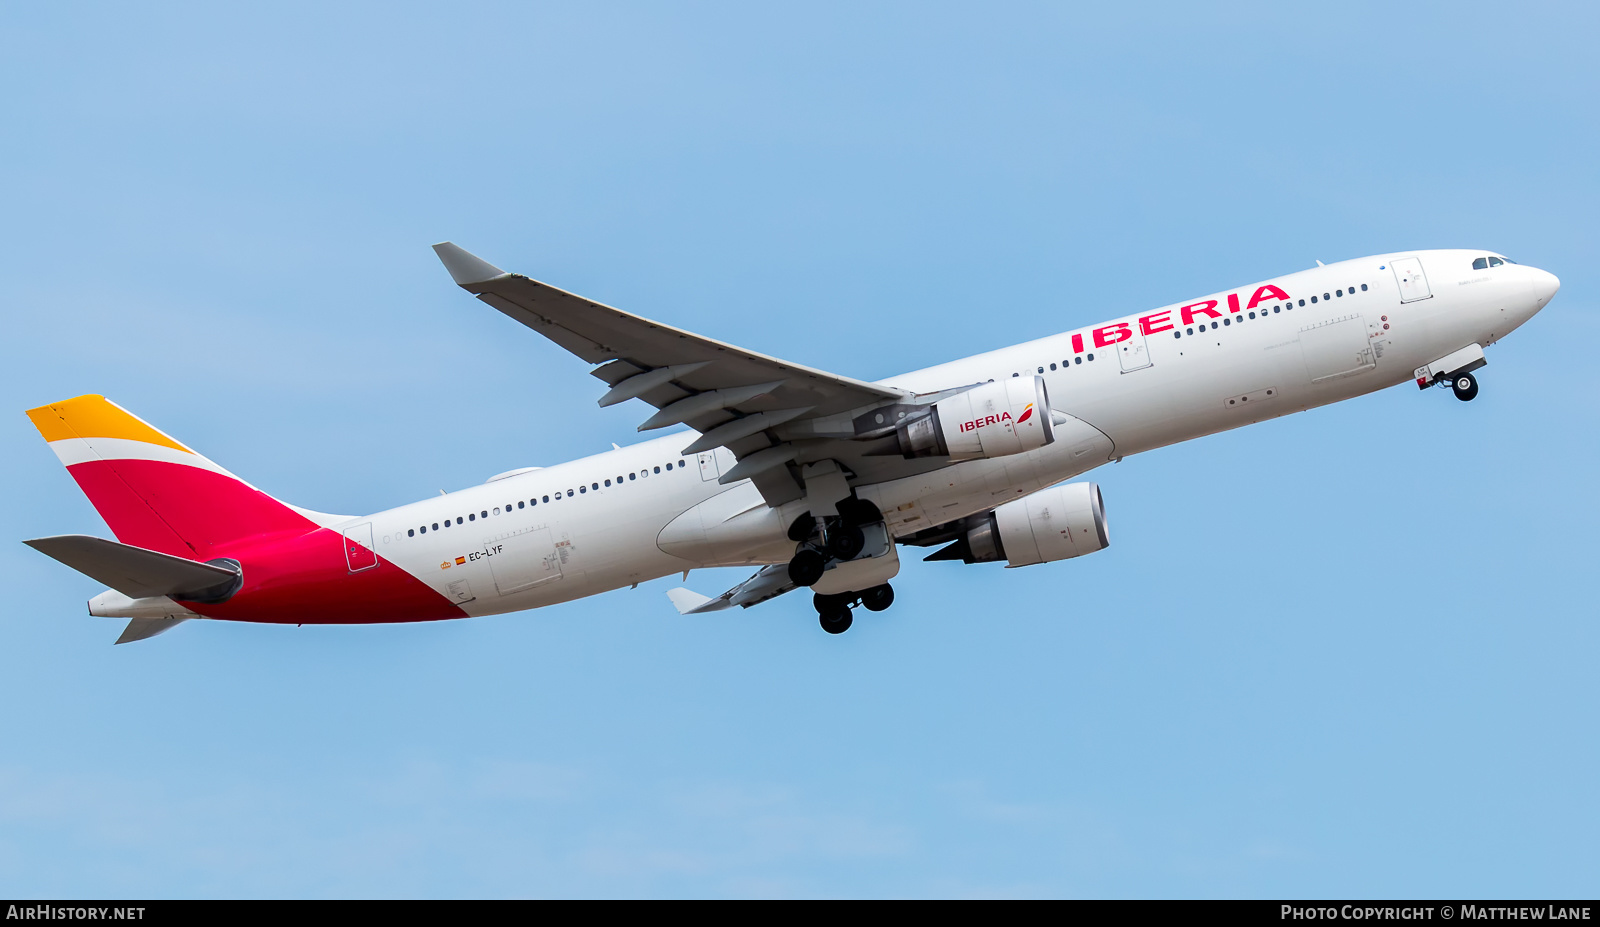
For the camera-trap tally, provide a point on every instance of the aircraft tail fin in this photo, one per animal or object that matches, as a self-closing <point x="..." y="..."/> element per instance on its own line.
<point x="153" y="491"/>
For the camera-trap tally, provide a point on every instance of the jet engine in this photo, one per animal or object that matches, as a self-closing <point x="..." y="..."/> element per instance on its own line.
<point x="989" y="420"/>
<point x="1054" y="524"/>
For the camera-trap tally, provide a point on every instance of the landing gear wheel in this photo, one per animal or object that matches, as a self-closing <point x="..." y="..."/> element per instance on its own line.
<point x="825" y="603"/>
<point x="845" y="541"/>
<point x="878" y="598"/>
<point x="806" y="567"/>
<point x="858" y="511"/>
<point x="1465" y="386"/>
<point x="837" y="620"/>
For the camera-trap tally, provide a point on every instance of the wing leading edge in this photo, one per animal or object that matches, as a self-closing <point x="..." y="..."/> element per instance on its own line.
<point x="776" y="416"/>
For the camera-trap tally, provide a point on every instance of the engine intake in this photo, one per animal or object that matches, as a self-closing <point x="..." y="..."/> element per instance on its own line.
<point x="989" y="420"/>
<point x="1054" y="524"/>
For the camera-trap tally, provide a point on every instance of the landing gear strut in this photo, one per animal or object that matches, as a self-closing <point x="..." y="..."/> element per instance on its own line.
<point x="1465" y="386"/>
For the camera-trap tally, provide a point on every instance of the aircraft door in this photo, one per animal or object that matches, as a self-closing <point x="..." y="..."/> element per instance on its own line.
<point x="1133" y="353"/>
<point x="1413" y="282"/>
<point x="708" y="466"/>
<point x="524" y="560"/>
<point x="358" y="553"/>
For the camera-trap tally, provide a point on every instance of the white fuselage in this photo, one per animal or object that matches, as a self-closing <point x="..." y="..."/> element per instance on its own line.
<point x="1372" y="325"/>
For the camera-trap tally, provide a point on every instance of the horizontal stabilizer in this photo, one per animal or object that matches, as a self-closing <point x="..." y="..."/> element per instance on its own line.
<point x="136" y="572"/>
<point x="140" y="628"/>
<point x="689" y="602"/>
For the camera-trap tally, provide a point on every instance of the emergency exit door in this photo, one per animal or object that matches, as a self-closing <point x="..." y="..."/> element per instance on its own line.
<point x="1413" y="282"/>
<point x="358" y="553"/>
<point x="1132" y="353"/>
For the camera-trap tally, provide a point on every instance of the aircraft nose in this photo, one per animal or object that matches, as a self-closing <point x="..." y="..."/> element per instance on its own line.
<point x="1545" y="286"/>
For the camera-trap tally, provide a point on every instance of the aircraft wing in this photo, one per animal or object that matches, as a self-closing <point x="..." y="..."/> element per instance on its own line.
<point x="774" y="415"/>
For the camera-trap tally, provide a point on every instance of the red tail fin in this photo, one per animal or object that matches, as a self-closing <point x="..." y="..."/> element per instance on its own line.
<point x="152" y="491"/>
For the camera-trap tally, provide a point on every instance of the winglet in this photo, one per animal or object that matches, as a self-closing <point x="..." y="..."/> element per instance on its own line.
<point x="465" y="267"/>
<point x="689" y="602"/>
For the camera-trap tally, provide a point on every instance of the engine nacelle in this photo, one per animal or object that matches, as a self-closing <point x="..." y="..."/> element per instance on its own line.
<point x="1054" y="524"/>
<point x="989" y="420"/>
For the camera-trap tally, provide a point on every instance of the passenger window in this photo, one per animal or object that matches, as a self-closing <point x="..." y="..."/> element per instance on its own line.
<point x="1495" y="262"/>
<point x="1338" y="292"/>
<point x="412" y="532"/>
<point x="1227" y="321"/>
<point x="471" y="517"/>
<point x="1016" y="374"/>
<point x="1275" y="309"/>
<point x="1252" y="315"/>
<point x="458" y="519"/>
<point x="1077" y="360"/>
<point x="1052" y="365"/>
<point x="669" y="466"/>
<point x="658" y="469"/>
<point x="619" y="479"/>
<point x="608" y="482"/>
<point x="1363" y="287"/>
<point x="632" y="476"/>
<point x="1213" y="325"/>
<point x="594" y="485"/>
<point x="497" y="509"/>
<point x="1313" y="300"/>
<point x="569" y="494"/>
<point x="583" y="489"/>
<point x="1091" y="357"/>
<point x="545" y="499"/>
<point x="1177" y="334"/>
<point x="1303" y="302"/>
<point x="1480" y="264"/>
<point x="521" y="504"/>
<point x="682" y="464"/>
<point x="1189" y="331"/>
<point x="1326" y="296"/>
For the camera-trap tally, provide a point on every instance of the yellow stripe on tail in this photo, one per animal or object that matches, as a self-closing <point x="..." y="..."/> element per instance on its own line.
<point x="95" y="416"/>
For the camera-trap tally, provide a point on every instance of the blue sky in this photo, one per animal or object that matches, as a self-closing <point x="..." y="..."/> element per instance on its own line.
<point x="1349" y="652"/>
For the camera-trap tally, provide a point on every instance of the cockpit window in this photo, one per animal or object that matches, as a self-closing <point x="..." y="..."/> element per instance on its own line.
<point x="1495" y="262"/>
<point x="1480" y="264"/>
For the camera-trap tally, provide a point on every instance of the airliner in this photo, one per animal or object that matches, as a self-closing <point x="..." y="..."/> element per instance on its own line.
<point x="814" y="479"/>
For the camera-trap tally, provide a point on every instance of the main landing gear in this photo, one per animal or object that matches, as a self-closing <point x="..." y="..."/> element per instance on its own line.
<point x="833" y="611"/>
<point x="836" y="538"/>
<point x="840" y="538"/>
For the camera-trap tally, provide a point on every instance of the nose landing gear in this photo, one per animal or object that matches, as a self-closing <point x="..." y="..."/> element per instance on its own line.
<point x="1465" y="386"/>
